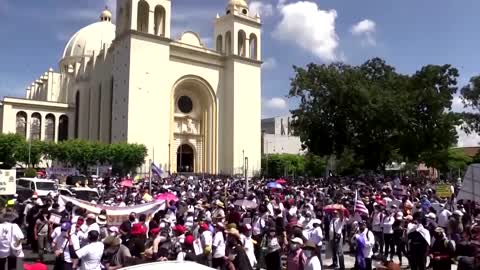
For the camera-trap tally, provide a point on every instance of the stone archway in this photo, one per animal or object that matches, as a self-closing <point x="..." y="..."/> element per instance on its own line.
<point x="194" y="125"/>
<point x="185" y="159"/>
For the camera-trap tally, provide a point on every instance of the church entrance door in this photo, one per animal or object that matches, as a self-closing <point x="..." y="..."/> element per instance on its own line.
<point x="185" y="159"/>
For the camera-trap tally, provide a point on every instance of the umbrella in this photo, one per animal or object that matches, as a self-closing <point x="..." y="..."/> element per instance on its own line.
<point x="126" y="183"/>
<point x="274" y="185"/>
<point x="168" y="196"/>
<point x="336" y="207"/>
<point x="246" y="204"/>
<point x="281" y="181"/>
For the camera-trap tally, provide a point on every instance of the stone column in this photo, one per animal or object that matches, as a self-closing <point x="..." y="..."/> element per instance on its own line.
<point x="42" y="127"/>
<point x="57" y="124"/>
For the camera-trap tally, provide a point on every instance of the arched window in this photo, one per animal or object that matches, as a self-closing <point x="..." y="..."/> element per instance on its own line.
<point x="253" y="47"/>
<point x="220" y="44"/>
<point x="21" y="124"/>
<point x="160" y="21"/>
<point x="242" y="38"/>
<point x="36" y="128"/>
<point x="63" y="128"/>
<point x="228" y="43"/>
<point x="50" y="128"/>
<point x="77" y="114"/>
<point x="142" y="16"/>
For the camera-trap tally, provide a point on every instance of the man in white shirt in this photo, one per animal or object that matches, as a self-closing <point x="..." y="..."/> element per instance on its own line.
<point x="10" y="240"/>
<point x="60" y="245"/>
<point x="90" y="256"/>
<point x="377" y="227"/>
<point x="388" y="233"/>
<point x="316" y="237"/>
<point x="366" y="237"/>
<point x="336" y="230"/>
<point x="443" y="217"/>
<point x="218" y="247"/>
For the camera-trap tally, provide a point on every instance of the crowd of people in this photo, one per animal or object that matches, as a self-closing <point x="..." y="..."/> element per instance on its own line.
<point x="292" y="224"/>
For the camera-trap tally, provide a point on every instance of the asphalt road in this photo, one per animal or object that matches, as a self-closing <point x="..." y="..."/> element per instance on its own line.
<point x="349" y="260"/>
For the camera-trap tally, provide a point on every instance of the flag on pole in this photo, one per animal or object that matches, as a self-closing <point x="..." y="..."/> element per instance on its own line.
<point x="359" y="206"/>
<point x="156" y="170"/>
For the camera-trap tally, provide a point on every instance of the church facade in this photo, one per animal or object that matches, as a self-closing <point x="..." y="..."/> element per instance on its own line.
<point x="196" y="109"/>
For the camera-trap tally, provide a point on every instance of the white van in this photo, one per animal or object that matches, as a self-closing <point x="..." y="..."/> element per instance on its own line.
<point x="41" y="186"/>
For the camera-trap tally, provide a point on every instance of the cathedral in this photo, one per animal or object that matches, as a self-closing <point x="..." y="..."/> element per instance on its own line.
<point x="196" y="109"/>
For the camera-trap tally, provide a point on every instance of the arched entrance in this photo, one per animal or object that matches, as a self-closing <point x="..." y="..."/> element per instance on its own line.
<point x="185" y="159"/>
<point x="194" y="126"/>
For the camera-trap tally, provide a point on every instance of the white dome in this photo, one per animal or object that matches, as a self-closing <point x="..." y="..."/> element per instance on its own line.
<point x="90" y="39"/>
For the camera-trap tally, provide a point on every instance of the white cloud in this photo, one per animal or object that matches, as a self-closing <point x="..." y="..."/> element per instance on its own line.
<point x="276" y="103"/>
<point x="261" y="8"/>
<point x="309" y="27"/>
<point x="269" y="63"/>
<point x="365" y="29"/>
<point x="465" y="139"/>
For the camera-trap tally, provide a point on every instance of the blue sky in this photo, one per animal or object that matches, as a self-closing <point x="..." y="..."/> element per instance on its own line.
<point x="406" y="33"/>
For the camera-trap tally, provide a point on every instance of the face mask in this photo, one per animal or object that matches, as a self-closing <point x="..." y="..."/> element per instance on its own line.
<point x="308" y="253"/>
<point x="272" y="233"/>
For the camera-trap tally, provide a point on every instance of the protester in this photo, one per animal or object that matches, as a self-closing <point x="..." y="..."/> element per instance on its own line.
<point x="216" y="222"/>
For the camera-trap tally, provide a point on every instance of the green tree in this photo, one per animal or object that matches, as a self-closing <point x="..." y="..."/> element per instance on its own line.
<point x="374" y="113"/>
<point x="30" y="153"/>
<point x="126" y="157"/>
<point x="280" y="165"/>
<point x="9" y="145"/>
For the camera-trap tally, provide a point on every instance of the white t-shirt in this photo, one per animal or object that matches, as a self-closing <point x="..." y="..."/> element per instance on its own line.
<point x="443" y="217"/>
<point x="90" y="256"/>
<point x="313" y="264"/>
<point x="388" y="224"/>
<point x="61" y="243"/>
<point x="316" y="236"/>
<point x="9" y="233"/>
<point x="219" y="244"/>
<point x="206" y="239"/>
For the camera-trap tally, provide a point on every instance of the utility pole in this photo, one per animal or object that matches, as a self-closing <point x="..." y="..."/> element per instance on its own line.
<point x="169" y="158"/>
<point x="29" y="144"/>
<point x="246" y="174"/>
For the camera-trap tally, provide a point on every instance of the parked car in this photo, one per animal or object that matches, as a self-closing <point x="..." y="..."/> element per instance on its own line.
<point x="41" y="186"/>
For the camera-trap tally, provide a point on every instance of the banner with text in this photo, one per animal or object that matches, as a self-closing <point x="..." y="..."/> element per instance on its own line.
<point x="116" y="215"/>
<point x="8" y="182"/>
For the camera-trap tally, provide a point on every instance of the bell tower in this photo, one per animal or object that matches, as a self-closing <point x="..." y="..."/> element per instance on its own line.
<point x="238" y="32"/>
<point x="238" y="38"/>
<point x="146" y="16"/>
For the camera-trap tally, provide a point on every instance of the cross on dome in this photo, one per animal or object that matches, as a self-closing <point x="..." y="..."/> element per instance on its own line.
<point x="239" y="3"/>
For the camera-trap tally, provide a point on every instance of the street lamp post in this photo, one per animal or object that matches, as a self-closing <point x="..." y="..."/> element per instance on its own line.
<point x="246" y="174"/>
<point x="29" y="144"/>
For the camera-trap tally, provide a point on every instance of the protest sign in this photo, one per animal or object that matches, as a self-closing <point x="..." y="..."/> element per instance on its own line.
<point x="443" y="190"/>
<point x="8" y="182"/>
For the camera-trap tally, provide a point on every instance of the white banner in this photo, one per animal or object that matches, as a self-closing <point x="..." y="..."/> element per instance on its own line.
<point x="8" y="182"/>
<point x="116" y="215"/>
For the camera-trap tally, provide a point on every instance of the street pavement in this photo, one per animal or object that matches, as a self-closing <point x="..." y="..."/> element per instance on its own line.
<point x="30" y="257"/>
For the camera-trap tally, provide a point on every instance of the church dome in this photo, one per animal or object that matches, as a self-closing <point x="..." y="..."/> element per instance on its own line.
<point x="91" y="38"/>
